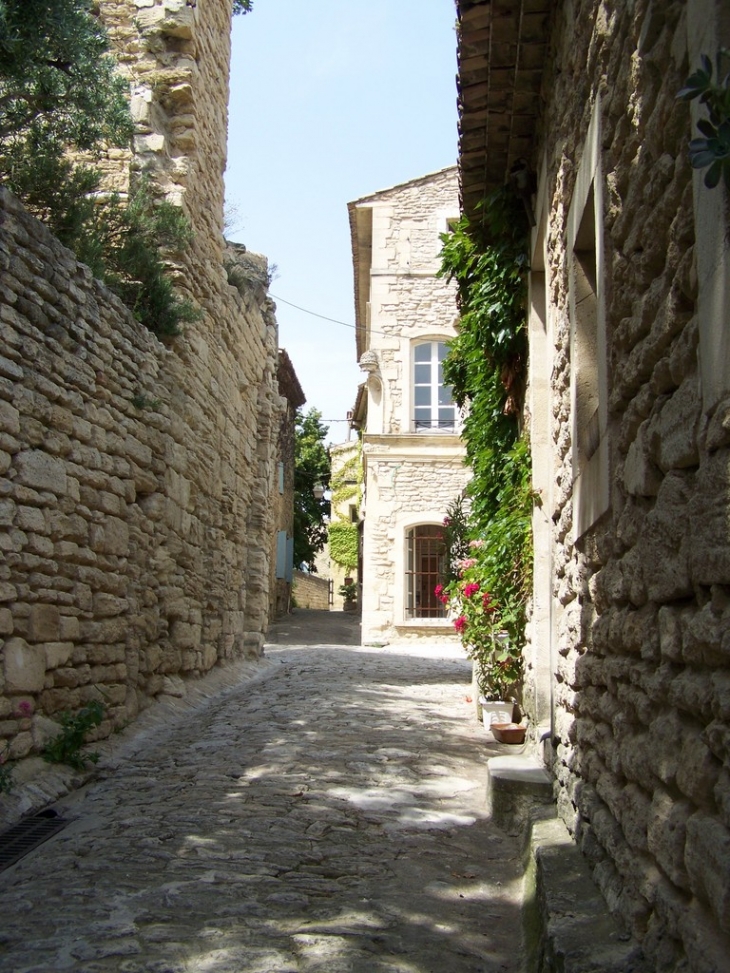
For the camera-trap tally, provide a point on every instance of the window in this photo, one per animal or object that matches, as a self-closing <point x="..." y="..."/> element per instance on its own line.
<point x="425" y="557"/>
<point x="588" y="361"/>
<point x="433" y="405"/>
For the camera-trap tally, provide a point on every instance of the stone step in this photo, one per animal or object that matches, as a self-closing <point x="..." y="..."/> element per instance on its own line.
<point x="568" y="926"/>
<point x="519" y="789"/>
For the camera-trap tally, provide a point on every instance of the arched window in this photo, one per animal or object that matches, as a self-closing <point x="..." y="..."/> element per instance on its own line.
<point x="433" y="405"/>
<point x="425" y="562"/>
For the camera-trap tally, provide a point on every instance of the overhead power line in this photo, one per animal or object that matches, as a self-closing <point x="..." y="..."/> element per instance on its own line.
<point x="314" y="313"/>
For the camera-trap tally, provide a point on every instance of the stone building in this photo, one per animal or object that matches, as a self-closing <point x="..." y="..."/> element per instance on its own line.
<point x="137" y="479"/>
<point x="345" y="530"/>
<point x="282" y="561"/>
<point x="629" y="418"/>
<point x="413" y="458"/>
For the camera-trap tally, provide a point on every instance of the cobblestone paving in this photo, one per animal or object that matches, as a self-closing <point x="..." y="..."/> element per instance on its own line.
<point x="326" y="818"/>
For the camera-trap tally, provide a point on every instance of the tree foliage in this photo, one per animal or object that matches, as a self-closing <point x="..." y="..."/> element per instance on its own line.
<point x="311" y="466"/>
<point x="62" y="104"/>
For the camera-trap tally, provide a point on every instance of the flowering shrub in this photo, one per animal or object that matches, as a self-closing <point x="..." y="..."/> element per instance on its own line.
<point x="479" y="622"/>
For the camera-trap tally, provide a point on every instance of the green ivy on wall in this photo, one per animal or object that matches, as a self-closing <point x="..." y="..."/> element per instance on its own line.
<point x="346" y="484"/>
<point x="486" y="368"/>
<point x="343" y="544"/>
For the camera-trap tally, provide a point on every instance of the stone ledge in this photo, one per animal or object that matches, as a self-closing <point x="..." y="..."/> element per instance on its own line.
<point x="568" y="927"/>
<point x="517" y="788"/>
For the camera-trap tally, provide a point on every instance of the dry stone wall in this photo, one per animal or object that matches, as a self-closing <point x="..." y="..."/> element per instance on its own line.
<point x="311" y="592"/>
<point x="136" y="520"/>
<point x="643" y="598"/>
<point x="130" y="486"/>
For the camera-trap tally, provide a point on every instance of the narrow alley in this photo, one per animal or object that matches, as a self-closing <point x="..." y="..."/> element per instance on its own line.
<point x="327" y="815"/>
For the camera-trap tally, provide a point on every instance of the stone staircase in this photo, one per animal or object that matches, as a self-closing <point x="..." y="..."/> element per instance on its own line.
<point x="568" y="927"/>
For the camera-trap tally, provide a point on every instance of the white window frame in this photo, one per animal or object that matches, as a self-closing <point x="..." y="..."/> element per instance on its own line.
<point x="435" y="387"/>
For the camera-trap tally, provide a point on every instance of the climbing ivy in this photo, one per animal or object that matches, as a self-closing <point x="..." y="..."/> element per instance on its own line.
<point x="343" y="541"/>
<point x="486" y="368"/>
<point x="346" y="484"/>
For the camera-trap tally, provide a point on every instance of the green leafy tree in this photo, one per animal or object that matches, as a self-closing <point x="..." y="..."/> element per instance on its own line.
<point x="62" y="104"/>
<point x="311" y="466"/>
<point x="59" y="93"/>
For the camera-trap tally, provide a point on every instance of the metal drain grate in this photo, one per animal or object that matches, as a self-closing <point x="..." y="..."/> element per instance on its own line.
<point x="23" y="837"/>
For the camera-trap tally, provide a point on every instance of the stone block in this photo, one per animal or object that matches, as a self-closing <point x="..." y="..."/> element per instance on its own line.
<point x="24" y="666"/>
<point x="111" y="537"/>
<point x="699" y="770"/>
<point x="40" y="471"/>
<point x="706" y="947"/>
<point x="69" y="629"/>
<point x="664" y="542"/>
<point x="9" y="418"/>
<point x="708" y="515"/>
<point x="58" y="654"/>
<point x="44" y="623"/>
<point x="30" y="518"/>
<point x="707" y="859"/>
<point x="641" y="476"/>
<point x="666" y="835"/>
<point x="674" y="430"/>
<point x="8" y="508"/>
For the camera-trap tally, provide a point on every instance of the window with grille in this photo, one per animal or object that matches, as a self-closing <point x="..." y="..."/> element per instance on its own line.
<point x="433" y="405"/>
<point x="425" y="557"/>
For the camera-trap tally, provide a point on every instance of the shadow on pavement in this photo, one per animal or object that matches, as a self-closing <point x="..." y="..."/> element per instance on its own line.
<point x="312" y="627"/>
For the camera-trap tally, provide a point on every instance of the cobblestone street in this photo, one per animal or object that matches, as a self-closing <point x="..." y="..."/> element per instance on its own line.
<point x="326" y="816"/>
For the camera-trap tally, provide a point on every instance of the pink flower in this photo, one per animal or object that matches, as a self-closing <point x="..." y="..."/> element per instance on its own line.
<point x="474" y="544"/>
<point x="25" y="708"/>
<point x="470" y="589"/>
<point x="438" y="590"/>
<point x="447" y="521"/>
<point x="460" y="623"/>
<point x="467" y="562"/>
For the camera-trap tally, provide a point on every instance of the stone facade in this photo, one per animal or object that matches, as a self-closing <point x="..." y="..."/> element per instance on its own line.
<point x="412" y="468"/>
<point x="136" y="511"/>
<point x="280" y="582"/>
<point x="629" y="412"/>
<point x="345" y="507"/>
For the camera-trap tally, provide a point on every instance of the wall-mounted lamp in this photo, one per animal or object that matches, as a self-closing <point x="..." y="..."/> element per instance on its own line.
<point x="318" y="491"/>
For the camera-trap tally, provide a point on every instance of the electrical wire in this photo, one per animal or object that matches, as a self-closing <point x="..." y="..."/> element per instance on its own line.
<point x="314" y="313"/>
<point x="324" y="317"/>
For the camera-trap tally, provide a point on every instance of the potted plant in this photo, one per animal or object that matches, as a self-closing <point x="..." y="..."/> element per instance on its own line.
<point x="480" y="622"/>
<point x="348" y="591"/>
<point x="498" y="673"/>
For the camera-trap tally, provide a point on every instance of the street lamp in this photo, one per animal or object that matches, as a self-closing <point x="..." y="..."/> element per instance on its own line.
<point x="318" y="491"/>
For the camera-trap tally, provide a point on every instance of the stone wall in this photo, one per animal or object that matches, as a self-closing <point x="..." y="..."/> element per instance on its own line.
<point x="641" y="598"/>
<point x="136" y="519"/>
<point x="310" y="591"/>
<point x="132" y="486"/>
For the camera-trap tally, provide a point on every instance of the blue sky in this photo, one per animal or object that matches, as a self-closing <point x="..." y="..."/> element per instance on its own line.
<point x="331" y="100"/>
